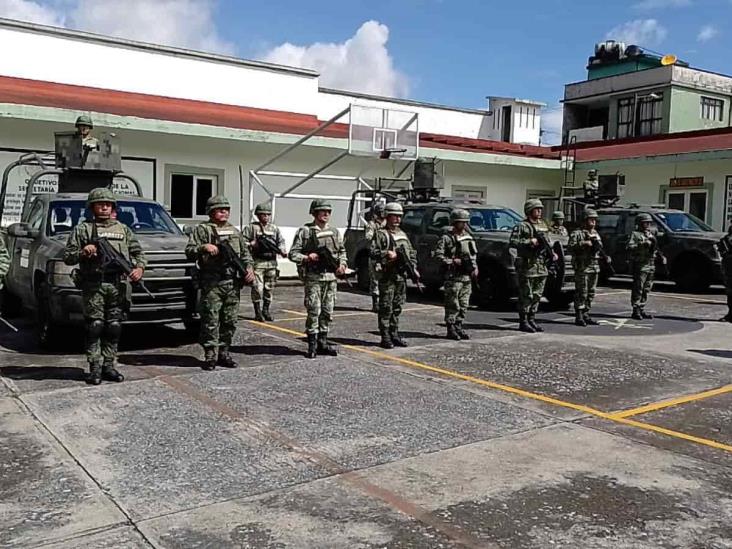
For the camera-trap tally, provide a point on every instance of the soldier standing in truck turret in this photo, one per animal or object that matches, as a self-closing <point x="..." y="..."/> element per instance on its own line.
<point x="557" y="227"/>
<point x="642" y="252"/>
<point x="84" y="126"/>
<point x="374" y="224"/>
<point x="220" y="287"/>
<point x="265" y="260"/>
<point x="530" y="264"/>
<point x="458" y="253"/>
<point x="393" y="281"/>
<point x="104" y="291"/>
<point x="724" y="247"/>
<point x="586" y="267"/>
<point x="321" y="285"/>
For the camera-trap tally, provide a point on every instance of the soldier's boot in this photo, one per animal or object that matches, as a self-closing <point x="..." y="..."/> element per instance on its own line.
<point x="636" y="314"/>
<point x="589" y="320"/>
<point x="209" y="358"/>
<point x="452" y="333"/>
<point x="258" y="312"/>
<point x="225" y="359"/>
<point x="386" y="341"/>
<point x="265" y="312"/>
<point x="579" y="318"/>
<point x="645" y="315"/>
<point x="525" y="326"/>
<point x="397" y="340"/>
<point x="460" y="331"/>
<point x="110" y="373"/>
<point x="532" y="322"/>
<point x="312" y="351"/>
<point x="325" y="348"/>
<point x="95" y="374"/>
<point x="374" y="303"/>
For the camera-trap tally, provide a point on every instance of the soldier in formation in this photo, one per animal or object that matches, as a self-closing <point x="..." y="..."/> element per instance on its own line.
<point x="374" y="224"/>
<point x="264" y="254"/>
<point x="583" y="244"/>
<point x="389" y="243"/>
<point x="458" y="254"/>
<point x="105" y="292"/>
<point x="725" y="250"/>
<point x="530" y="264"/>
<point x="220" y="283"/>
<point x="557" y="227"/>
<point x="319" y="253"/>
<point x="642" y="253"/>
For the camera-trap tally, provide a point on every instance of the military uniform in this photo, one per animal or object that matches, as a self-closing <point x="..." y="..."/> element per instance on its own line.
<point x="89" y="142"/>
<point x="458" y="280"/>
<point x="392" y="282"/>
<point x="642" y="250"/>
<point x="265" y="263"/>
<point x="724" y="245"/>
<point x="530" y="268"/>
<point x="320" y="281"/>
<point x="586" y="267"/>
<point x="219" y="285"/>
<point x="105" y="293"/>
<point x="4" y="262"/>
<point x="370" y="229"/>
<point x="555" y="228"/>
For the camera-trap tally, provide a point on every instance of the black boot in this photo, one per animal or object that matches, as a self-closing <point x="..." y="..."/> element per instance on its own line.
<point x="636" y="314"/>
<point x="452" y="333"/>
<point x="728" y="316"/>
<point x="579" y="319"/>
<point x="589" y="320"/>
<point x="374" y="303"/>
<point x="397" y="339"/>
<point x="265" y="312"/>
<point x="258" y="313"/>
<point x="645" y="315"/>
<point x="525" y="326"/>
<point x="95" y="374"/>
<point x="386" y="341"/>
<point x="312" y="351"/>
<point x="209" y="358"/>
<point x="460" y="331"/>
<point x="325" y="348"/>
<point x="225" y="358"/>
<point x="533" y="324"/>
<point x="110" y="373"/>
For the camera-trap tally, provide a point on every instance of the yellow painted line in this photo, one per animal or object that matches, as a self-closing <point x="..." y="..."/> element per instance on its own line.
<point x="671" y="402"/>
<point x="300" y="313"/>
<point x="687" y="298"/>
<point x="520" y="392"/>
<point x="361" y="313"/>
<point x="613" y="293"/>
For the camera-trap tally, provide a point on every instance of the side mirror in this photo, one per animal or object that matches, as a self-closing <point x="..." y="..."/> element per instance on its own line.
<point x="18" y="230"/>
<point x="660" y="234"/>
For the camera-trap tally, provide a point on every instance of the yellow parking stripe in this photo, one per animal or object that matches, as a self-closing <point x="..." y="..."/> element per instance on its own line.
<point x="671" y="402"/>
<point x="671" y="433"/>
<point x="360" y="313"/>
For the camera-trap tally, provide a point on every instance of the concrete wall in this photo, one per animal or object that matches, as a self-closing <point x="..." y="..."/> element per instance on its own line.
<point x="686" y="110"/>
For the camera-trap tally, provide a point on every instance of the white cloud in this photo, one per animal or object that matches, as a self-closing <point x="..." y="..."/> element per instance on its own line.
<point x="661" y="4"/>
<point x="182" y="23"/>
<point x="641" y="32"/>
<point x="551" y="125"/>
<point x="706" y="33"/>
<point x="361" y="63"/>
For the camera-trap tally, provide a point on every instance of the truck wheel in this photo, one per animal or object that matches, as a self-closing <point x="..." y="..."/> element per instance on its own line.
<point x="10" y="305"/>
<point x="491" y="291"/>
<point x="193" y="327"/>
<point x="363" y="275"/>
<point x="560" y="301"/>
<point x="690" y="275"/>
<point x="48" y="333"/>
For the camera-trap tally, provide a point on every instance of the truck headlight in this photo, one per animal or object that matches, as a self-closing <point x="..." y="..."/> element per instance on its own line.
<point x="59" y="274"/>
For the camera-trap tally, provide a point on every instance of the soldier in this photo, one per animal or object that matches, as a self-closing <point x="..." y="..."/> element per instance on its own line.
<point x="309" y="253"/>
<point x="557" y="227"/>
<point x="4" y="262"/>
<point x="642" y="251"/>
<point x="725" y="249"/>
<point x="374" y="224"/>
<point x="586" y="267"/>
<point x="84" y="126"/>
<point x="104" y="291"/>
<point x="591" y="186"/>
<point x="220" y="287"/>
<point x="393" y="281"/>
<point x="530" y="264"/>
<point x="458" y="253"/>
<point x="265" y="260"/>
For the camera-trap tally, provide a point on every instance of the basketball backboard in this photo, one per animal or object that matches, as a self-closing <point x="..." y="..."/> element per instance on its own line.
<point x="383" y="133"/>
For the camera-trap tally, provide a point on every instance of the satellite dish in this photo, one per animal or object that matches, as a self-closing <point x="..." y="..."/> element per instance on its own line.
<point x="669" y="59"/>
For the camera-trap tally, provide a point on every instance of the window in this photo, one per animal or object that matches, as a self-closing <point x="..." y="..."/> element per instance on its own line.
<point x="440" y="220"/>
<point x="472" y="193"/>
<point x="625" y="117"/>
<point x="608" y="223"/>
<point x="492" y="219"/>
<point x="712" y="109"/>
<point x="650" y="114"/>
<point x="693" y="202"/>
<point x="683" y="222"/>
<point x="35" y="218"/>
<point x="412" y="219"/>
<point x="189" y="193"/>
<point x="141" y="217"/>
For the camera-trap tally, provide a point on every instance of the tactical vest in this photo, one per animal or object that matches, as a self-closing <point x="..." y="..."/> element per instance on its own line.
<point x="327" y="237"/>
<point x="214" y="263"/>
<point x="270" y="230"/>
<point x="114" y="232"/>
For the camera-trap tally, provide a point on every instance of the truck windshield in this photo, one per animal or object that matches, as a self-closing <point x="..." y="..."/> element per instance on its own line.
<point x="493" y="219"/>
<point x="141" y="217"/>
<point x="680" y="222"/>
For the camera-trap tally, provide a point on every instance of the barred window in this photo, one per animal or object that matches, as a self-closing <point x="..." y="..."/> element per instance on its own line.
<point x="711" y="108"/>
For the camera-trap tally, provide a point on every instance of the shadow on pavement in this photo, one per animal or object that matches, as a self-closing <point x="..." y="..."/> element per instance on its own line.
<point x="719" y="353"/>
<point x="272" y="350"/>
<point x="40" y="373"/>
<point x="159" y="359"/>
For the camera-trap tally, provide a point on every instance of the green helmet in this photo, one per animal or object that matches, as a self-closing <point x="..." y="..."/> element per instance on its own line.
<point x="378" y="209"/>
<point x="590" y="214"/>
<point x="394" y="208"/>
<point x="264" y="208"/>
<point x="84" y="120"/>
<point x="532" y="204"/>
<point x="559" y="214"/>
<point x="459" y="215"/>
<point x="217" y="201"/>
<point x="100" y="194"/>
<point x="320" y="204"/>
<point x="643" y="218"/>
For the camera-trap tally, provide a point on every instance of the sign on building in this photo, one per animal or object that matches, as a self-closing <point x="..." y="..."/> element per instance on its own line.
<point x="677" y="182"/>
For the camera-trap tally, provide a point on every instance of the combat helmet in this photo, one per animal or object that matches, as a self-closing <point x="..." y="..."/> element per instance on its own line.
<point x="393" y="208"/>
<point x="217" y="201"/>
<point x="320" y="204"/>
<point x="263" y="208"/>
<point x="100" y="194"/>
<point x="589" y="213"/>
<point x="559" y="214"/>
<point x="459" y="215"/>
<point x="84" y="120"/>
<point x="532" y="204"/>
<point x="378" y="209"/>
<point x="643" y="218"/>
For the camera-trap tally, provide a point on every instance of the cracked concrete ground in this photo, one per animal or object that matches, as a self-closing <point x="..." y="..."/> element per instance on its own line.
<point x="615" y="436"/>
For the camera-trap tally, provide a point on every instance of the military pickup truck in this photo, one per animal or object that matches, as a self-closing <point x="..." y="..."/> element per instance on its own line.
<point x="693" y="262"/>
<point x="491" y="227"/>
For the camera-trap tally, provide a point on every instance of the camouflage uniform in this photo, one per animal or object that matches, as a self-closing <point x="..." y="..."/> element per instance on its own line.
<point x="4" y="262"/>
<point x="105" y="293"/>
<point x="458" y="282"/>
<point x="220" y="288"/>
<point x="89" y="142"/>
<point x="555" y="228"/>
<point x="265" y="264"/>
<point x="530" y="268"/>
<point x="369" y="232"/>
<point x="727" y="272"/>
<point x="321" y="285"/>
<point x="392" y="283"/>
<point x="586" y="272"/>
<point x="642" y="250"/>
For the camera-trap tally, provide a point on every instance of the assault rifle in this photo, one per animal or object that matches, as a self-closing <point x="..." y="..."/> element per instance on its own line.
<point x="231" y="259"/>
<point x="267" y="246"/>
<point x="112" y="260"/>
<point x="405" y="266"/>
<point x="330" y="263"/>
<point x="598" y="250"/>
<point x="656" y="253"/>
<point x="546" y="253"/>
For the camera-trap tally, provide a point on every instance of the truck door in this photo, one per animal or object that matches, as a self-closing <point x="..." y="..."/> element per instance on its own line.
<point x="22" y="248"/>
<point x="437" y="222"/>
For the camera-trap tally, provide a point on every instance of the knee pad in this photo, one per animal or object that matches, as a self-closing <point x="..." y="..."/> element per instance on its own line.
<point x="94" y="327"/>
<point x="114" y="329"/>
